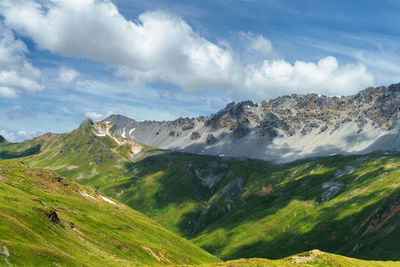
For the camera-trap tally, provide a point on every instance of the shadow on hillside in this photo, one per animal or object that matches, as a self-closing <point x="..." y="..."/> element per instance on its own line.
<point x="328" y="234"/>
<point x="5" y="154"/>
<point x="240" y="148"/>
<point x="179" y="184"/>
<point x="347" y="236"/>
<point x="250" y="147"/>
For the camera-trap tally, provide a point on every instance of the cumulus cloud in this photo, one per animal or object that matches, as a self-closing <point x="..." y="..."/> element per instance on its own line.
<point x="256" y="47"/>
<point x="17" y="75"/>
<point x="95" y="115"/>
<point x="161" y="47"/>
<point x="7" y="92"/>
<point x="67" y="77"/>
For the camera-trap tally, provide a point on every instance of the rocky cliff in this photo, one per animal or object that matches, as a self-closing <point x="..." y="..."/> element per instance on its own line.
<point x="281" y="129"/>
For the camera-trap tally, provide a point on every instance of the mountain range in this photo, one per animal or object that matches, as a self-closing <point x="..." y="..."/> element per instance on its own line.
<point x="281" y="130"/>
<point x="130" y="192"/>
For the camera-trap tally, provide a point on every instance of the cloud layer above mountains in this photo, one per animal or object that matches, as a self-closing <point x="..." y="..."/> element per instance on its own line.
<point x="158" y="47"/>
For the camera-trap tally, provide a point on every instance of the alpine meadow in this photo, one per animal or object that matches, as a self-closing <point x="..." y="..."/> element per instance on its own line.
<point x="199" y="133"/>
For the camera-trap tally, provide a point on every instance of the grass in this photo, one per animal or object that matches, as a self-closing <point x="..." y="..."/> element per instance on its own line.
<point x="48" y="220"/>
<point x="310" y="258"/>
<point x="253" y="208"/>
<point x="80" y="155"/>
<point x="279" y="212"/>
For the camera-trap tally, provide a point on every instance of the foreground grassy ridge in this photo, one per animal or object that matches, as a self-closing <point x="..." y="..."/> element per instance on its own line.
<point x="311" y="258"/>
<point x="48" y="220"/>
<point x="243" y="208"/>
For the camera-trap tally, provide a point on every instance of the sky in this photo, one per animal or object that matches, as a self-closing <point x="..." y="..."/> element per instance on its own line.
<point x="64" y="60"/>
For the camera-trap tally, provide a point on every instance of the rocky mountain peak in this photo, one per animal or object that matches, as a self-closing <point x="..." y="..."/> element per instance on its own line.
<point x="86" y="124"/>
<point x="117" y="118"/>
<point x="302" y="113"/>
<point x="2" y="139"/>
<point x="285" y="128"/>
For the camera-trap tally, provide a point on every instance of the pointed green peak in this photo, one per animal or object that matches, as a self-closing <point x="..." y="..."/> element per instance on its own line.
<point x="86" y="123"/>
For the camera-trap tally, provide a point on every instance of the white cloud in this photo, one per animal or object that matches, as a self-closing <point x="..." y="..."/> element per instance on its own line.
<point x="325" y="76"/>
<point x="18" y="136"/>
<point x="95" y="115"/>
<point x="7" y="92"/>
<point x="381" y="57"/>
<point x="17" y="75"/>
<point x="256" y="47"/>
<point x="262" y="45"/>
<point x="67" y="76"/>
<point x="162" y="47"/>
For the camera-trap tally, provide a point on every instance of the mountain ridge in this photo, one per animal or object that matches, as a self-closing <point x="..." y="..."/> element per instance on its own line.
<point x="235" y="207"/>
<point x="281" y="129"/>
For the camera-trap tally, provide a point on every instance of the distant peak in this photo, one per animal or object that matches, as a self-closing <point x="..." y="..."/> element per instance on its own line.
<point x="113" y="116"/>
<point x="2" y="139"/>
<point x="86" y="123"/>
<point x="116" y="118"/>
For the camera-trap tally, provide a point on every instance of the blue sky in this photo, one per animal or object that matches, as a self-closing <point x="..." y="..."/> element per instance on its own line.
<point x="62" y="61"/>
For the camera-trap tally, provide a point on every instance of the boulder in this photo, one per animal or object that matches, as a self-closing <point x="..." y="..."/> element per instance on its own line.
<point x="211" y="139"/>
<point x="195" y="136"/>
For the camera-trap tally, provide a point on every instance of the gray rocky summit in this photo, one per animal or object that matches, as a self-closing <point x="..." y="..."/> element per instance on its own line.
<point x="282" y="129"/>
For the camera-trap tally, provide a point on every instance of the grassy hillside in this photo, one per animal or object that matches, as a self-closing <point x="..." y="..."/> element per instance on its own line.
<point x="48" y="220"/>
<point x="345" y="205"/>
<point x="84" y="155"/>
<point x="310" y="258"/>
<point x="17" y="150"/>
<point x="238" y="207"/>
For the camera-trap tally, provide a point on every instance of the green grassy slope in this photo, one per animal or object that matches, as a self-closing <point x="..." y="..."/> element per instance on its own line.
<point x="310" y="258"/>
<point x="361" y="219"/>
<point x="17" y="150"/>
<point x="243" y="208"/>
<point x="80" y="155"/>
<point x="48" y="220"/>
<point x="278" y="210"/>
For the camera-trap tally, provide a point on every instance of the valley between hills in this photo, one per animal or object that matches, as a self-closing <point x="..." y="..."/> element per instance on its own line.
<point x="91" y="197"/>
<point x="220" y="133"/>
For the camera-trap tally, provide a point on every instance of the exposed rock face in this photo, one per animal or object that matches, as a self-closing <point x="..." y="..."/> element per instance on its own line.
<point x="239" y="131"/>
<point x="2" y="139"/>
<point x="281" y="129"/>
<point x="330" y="190"/>
<point x="211" y="139"/>
<point x="195" y="136"/>
<point x="188" y="125"/>
<point x="52" y="215"/>
<point x="86" y="123"/>
<point x="232" y="192"/>
<point x="386" y="211"/>
<point x="5" y="254"/>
